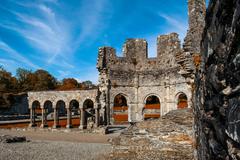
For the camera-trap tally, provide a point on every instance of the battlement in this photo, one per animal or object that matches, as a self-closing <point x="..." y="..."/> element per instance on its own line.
<point x="135" y="54"/>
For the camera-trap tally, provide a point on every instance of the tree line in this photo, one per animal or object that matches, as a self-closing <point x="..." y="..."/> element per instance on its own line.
<point x="39" y="80"/>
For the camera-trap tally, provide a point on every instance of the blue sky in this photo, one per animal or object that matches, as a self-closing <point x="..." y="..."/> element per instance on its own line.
<point x="63" y="36"/>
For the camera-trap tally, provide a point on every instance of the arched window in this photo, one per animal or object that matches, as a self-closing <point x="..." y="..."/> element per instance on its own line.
<point x="151" y="108"/>
<point x="182" y="101"/>
<point x="120" y="109"/>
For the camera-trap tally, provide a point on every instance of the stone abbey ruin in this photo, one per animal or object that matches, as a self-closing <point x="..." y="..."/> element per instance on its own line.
<point x="134" y="87"/>
<point x="202" y="75"/>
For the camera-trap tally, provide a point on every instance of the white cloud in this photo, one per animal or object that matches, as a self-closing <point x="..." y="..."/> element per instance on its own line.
<point x="45" y="34"/>
<point x="56" y="37"/>
<point x="16" y="55"/>
<point x="176" y="24"/>
<point x="91" y="22"/>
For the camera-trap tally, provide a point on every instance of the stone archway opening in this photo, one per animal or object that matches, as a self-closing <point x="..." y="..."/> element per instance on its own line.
<point x="48" y="112"/>
<point x="75" y="113"/>
<point x="120" y="110"/>
<point x="36" y="112"/>
<point x="89" y="114"/>
<point x="61" y="113"/>
<point x="182" y="101"/>
<point x="151" y="108"/>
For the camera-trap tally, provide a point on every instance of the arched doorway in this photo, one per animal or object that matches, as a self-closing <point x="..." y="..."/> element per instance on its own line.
<point x="75" y="113"/>
<point x="151" y="108"/>
<point x="89" y="113"/>
<point x="61" y="113"/>
<point x="36" y="112"/>
<point x="48" y="113"/>
<point x="120" y="110"/>
<point x="182" y="101"/>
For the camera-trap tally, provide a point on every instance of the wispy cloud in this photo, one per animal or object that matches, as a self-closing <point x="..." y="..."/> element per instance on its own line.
<point x="42" y="31"/>
<point x="16" y="55"/>
<point x="175" y="24"/>
<point x="92" y="20"/>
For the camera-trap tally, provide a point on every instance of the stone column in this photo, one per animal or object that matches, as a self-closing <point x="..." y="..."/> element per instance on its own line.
<point x="44" y="121"/>
<point x="82" y="119"/>
<point x="96" y="117"/>
<point x="32" y="118"/>
<point x="55" y="123"/>
<point x="69" y="118"/>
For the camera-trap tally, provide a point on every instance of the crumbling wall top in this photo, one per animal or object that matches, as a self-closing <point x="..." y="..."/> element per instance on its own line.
<point x="135" y="55"/>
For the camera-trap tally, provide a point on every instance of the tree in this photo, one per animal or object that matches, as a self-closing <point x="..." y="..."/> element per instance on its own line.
<point x="68" y="84"/>
<point x="87" y="85"/>
<point x="44" y="80"/>
<point x="24" y="78"/>
<point x="7" y="81"/>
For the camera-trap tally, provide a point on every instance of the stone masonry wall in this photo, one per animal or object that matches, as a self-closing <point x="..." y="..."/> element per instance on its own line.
<point x="217" y="97"/>
<point x="136" y="76"/>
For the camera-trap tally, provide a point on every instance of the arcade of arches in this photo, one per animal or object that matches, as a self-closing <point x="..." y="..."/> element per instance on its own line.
<point x="86" y="112"/>
<point x="86" y="115"/>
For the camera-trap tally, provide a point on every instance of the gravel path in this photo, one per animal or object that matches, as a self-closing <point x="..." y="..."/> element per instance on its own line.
<point x="59" y="135"/>
<point x="55" y="145"/>
<point x="53" y="150"/>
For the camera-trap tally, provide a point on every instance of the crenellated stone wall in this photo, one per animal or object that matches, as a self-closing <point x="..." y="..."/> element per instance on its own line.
<point x="136" y="76"/>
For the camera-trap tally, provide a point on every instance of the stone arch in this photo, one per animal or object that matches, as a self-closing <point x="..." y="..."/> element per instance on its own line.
<point x="74" y="106"/>
<point x="152" y="107"/>
<point x="36" y="111"/>
<point x="48" y="105"/>
<point x="89" y="113"/>
<point x="120" y="109"/>
<point x="47" y="113"/>
<point x="74" y="110"/>
<point x="36" y="106"/>
<point x="60" y="113"/>
<point x="181" y="100"/>
<point x="151" y="94"/>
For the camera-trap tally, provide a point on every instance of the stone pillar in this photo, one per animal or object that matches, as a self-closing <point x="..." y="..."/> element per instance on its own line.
<point x="44" y="119"/>
<point x="96" y="117"/>
<point x="69" y="118"/>
<point x="82" y="125"/>
<point x="55" y="116"/>
<point x="32" y="118"/>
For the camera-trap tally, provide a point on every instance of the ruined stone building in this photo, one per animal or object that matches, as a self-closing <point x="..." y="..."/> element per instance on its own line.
<point x="134" y="87"/>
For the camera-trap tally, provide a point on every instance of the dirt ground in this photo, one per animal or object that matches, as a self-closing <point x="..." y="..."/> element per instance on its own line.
<point x="55" y="145"/>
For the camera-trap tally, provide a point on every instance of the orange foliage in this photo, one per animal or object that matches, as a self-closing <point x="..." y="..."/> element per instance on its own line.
<point x="68" y="84"/>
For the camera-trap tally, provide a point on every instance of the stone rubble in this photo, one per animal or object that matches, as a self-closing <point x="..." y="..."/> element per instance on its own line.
<point x="12" y="139"/>
<point x="171" y="137"/>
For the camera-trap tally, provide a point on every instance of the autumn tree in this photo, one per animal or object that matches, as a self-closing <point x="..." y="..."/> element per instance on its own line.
<point x="87" y="85"/>
<point x="7" y="81"/>
<point x="44" y="80"/>
<point x="68" y="84"/>
<point x="25" y="78"/>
